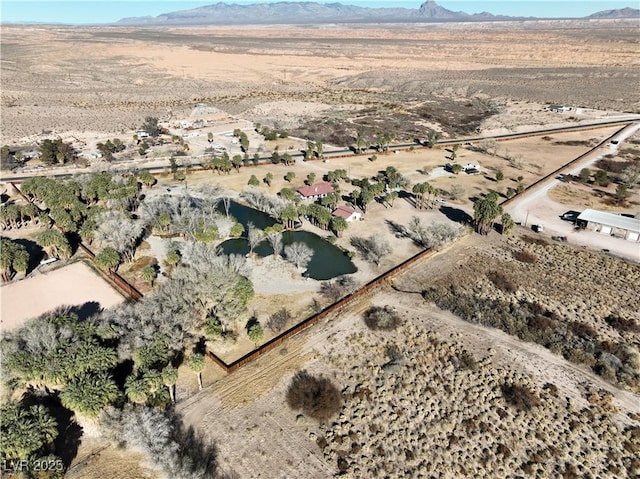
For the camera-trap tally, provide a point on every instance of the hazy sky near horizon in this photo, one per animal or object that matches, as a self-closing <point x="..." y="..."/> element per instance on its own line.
<point x="109" y="11"/>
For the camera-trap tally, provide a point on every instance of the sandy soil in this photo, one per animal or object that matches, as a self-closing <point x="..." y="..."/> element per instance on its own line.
<point x="107" y="79"/>
<point x="258" y="436"/>
<point x="72" y="285"/>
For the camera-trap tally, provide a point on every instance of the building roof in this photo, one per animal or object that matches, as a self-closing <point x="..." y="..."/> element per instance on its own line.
<point x="609" y="219"/>
<point x="316" y="189"/>
<point x="343" y="211"/>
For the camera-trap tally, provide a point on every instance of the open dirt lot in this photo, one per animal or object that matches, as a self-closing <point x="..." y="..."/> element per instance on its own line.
<point x="107" y="79"/>
<point x="73" y="285"/>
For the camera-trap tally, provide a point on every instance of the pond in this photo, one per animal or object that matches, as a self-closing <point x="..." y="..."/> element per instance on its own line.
<point x="328" y="260"/>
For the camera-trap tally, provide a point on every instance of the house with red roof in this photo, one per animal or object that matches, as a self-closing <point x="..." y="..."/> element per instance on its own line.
<point x="347" y="213"/>
<point x="315" y="191"/>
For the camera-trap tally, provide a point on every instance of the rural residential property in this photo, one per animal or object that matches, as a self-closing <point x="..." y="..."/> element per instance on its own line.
<point x="316" y="240"/>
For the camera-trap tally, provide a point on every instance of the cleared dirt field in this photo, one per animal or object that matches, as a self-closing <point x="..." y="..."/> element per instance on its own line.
<point x="73" y="285"/>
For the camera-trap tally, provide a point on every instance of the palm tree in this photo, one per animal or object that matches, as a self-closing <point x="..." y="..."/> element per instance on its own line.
<point x="391" y="197"/>
<point x="89" y="393"/>
<point x="169" y="379"/>
<point x="149" y="274"/>
<point x="507" y="223"/>
<point x="288" y="215"/>
<point x="255" y="333"/>
<point x="54" y="243"/>
<point x="136" y="390"/>
<point x="197" y="363"/>
<point x="236" y="161"/>
<point x="253" y="181"/>
<point x="25" y="430"/>
<point x="485" y="211"/>
<point x="268" y="178"/>
<point x="338" y="225"/>
<point x="108" y="259"/>
<point x="311" y="178"/>
<point x="13" y="258"/>
<point x="147" y="178"/>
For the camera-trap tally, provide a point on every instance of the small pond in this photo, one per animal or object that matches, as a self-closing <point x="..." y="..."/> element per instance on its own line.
<point x="328" y="260"/>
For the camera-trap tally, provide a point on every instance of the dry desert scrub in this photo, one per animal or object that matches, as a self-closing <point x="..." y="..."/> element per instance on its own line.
<point x="434" y="410"/>
<point x="582" y="305"/>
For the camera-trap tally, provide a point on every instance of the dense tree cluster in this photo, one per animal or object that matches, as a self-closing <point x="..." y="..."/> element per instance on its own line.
<point x="108" y="148"/>
<point x="14" y="258"/>
<point x="28" y="432"/>
<point x="17" y="215"/>
<point x="485" y="211"/>
<point x="150" y="126"/>
<point x="56" y="151"/>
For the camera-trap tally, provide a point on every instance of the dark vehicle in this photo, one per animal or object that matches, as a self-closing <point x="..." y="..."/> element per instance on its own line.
<point x="570" y="216"/>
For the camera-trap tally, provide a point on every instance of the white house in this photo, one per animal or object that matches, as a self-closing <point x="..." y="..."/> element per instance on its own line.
<point x="347" y="213"/>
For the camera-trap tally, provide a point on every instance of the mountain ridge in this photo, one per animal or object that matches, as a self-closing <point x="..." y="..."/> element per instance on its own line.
<point x="307" y="12"/>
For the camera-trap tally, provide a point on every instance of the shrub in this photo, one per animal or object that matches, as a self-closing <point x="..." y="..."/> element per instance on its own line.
<point x="468" y="361"/>
<point x="317" y="397"/>
<point x="519" y="397"/>
<point x="502" y="282"/>
<point x="623" y="324"/>
<point x="385" y="318"/>
<point x="278" y="320"/>
<point x="526" y="257"/>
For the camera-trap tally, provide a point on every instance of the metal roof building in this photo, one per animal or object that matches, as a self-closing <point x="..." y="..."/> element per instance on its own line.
<point x="609" y="223"/>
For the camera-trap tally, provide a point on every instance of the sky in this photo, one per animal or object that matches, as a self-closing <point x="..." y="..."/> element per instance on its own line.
<point x="109" y="11"/>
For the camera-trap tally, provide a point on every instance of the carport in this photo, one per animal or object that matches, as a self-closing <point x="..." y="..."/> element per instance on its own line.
<point x="611" y="224"/>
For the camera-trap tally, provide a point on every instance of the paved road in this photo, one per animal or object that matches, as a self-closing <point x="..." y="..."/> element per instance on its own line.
<point x="161" y="164"/>
<point x="537" y="208"/>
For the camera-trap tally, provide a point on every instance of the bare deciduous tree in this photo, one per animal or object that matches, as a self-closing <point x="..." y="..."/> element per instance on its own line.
<point x="254" y="236"/>
<point x="432" y="235"/>
<point x="299" y="254"/>
<point x="118" y="231"/>
<point x="372" y="249"/>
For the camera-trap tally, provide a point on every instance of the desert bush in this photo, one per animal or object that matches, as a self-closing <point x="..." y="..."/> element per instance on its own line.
<point x="338" y="288"/>
<point x="317" y="397"/>
<point x="583" y="330"/>
<point x="551" y="388"/>
<point x="519" y="396"/>
<point x="525" y="256"/>
<point x="373" y="248"/>
<point x="385" y="318"/>
<point x="502" y="281"/>
<point x="278" y="320"/>
<point x="535" y="240"/>
<point x="623" y="324"/>
<point x="468" y="360"/>
<point x="614" y="166"/>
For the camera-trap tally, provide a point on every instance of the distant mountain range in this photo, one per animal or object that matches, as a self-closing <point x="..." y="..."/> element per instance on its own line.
<point x="319" y="13"/>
